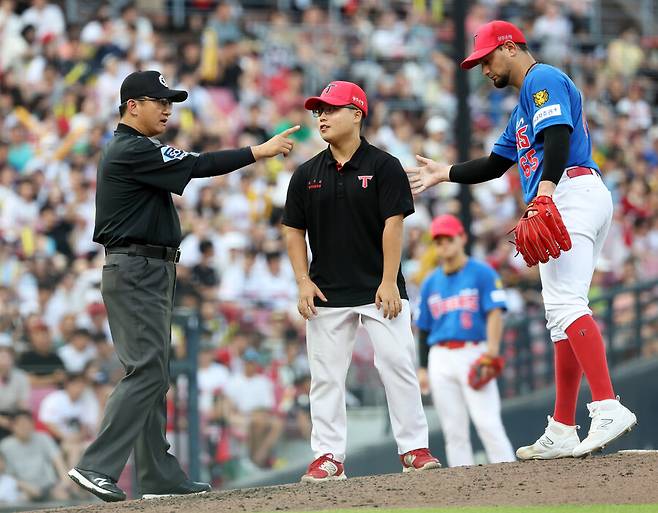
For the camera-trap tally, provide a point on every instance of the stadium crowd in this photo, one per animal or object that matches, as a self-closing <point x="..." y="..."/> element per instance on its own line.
<point x="248" y="74"/>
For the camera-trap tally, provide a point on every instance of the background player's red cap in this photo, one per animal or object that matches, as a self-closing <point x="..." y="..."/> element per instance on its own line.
<point x="340" y="93"/>
<point x="446" y="225"/>
<point x="489" y="37"/>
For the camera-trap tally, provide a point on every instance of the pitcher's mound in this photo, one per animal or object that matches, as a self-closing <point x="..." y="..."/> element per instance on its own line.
<point x="626" y="478"/>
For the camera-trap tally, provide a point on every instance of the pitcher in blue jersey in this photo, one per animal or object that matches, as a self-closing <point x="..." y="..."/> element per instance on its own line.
<point x="460" y="318"/>
<point x="547" y="137"/>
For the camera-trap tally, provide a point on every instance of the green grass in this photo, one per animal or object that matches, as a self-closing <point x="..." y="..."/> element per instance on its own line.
<point x="599" y="508"/>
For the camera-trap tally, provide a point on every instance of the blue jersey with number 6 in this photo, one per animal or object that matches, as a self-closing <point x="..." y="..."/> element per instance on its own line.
<point x="455" y="306"/>
<point x="548" y="97"/>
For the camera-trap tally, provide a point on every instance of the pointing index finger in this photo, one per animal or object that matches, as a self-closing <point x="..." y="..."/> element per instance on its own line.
<point x="290" y="130"/>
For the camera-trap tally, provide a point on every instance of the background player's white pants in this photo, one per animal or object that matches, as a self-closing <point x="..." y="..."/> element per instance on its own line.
<point x="455" y="400"/>
<point x="330" y="338"/>
<point x="585" y="204"/>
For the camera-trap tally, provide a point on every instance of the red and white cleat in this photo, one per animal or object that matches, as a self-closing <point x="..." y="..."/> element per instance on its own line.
<point x="418" y="459"/>
<point x="324" y="468"/>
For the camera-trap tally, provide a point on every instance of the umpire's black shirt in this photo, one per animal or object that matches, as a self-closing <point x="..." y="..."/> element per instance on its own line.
<point x="344" y="211"/>
<point x="136" y="176"/>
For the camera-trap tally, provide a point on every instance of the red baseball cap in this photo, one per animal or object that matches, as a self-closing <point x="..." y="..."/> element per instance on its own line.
<point x="489" y="37"/>
<point x="340" y="93"/>
<point x="446" y="225"/>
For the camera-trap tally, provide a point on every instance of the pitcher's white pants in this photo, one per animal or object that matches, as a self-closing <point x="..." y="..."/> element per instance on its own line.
<point x="585" y="204"/>
<point x="455" y="401"/>
<point x="330" y="338"/>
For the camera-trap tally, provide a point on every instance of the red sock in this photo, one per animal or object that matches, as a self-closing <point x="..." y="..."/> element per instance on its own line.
<point x="587" y="344"/>
<point x="567" y="383"/>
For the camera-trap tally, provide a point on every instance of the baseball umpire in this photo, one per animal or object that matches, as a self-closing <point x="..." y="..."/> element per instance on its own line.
<point x="563" y="228"/>
<point x="138" y="224"/>
<point x="351" y="199"/>
<point x="461" y="325"/>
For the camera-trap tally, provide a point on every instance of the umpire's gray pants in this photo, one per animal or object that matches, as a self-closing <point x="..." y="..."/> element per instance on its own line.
<point x="138" y="294"/>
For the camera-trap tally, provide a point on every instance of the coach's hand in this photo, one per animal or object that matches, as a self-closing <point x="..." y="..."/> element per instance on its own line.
<point x="307" y="293"/>
<point x="388" y="297"/>
<point x="280" y="143"/>
<point x="427" y="173"/>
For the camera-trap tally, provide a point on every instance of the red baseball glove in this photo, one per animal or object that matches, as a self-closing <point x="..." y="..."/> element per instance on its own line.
<point x="484" y="369"/>
<point x="542" y="235"/>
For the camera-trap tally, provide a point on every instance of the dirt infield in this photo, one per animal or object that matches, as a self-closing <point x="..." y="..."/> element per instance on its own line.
<point x="613" y="479"/>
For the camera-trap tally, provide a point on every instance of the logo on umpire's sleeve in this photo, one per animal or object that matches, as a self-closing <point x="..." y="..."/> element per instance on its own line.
<point x="171" y="153"/>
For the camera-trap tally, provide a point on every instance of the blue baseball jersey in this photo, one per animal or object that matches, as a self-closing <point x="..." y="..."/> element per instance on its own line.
<point x="455" y="306"/>
<point x="548" y="97"/>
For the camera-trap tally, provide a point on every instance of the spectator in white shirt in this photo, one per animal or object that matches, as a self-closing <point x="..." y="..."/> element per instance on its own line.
<point x="79" y="351"/>
<point x="212" y="378"/>
<point x="252" y="408"/>
<point x="47" y="18"/>
<point x="277" y="283"/>
<point x="71" y="416"/>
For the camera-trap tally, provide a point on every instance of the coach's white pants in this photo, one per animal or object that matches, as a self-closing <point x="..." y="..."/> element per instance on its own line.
<point x="585" y="204"/>
<point x="455" y="401"/>
<point x="330" y="338"/>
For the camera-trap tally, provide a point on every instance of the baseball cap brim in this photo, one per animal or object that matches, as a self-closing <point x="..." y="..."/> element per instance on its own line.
<point x="474" y="59"/>
<point x="315" y="101"/>
<point x="175" y="95"/>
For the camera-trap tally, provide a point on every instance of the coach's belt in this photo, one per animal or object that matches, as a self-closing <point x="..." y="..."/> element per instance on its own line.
<point x="573" y="172"/>
<point x="162" y="252"/>
<point x="456" y="344"/>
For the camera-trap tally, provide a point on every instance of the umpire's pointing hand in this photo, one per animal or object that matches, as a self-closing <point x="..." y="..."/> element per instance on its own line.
<point x="280" y="143"/>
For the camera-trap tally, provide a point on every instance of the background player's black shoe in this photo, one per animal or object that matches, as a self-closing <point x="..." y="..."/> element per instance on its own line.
<point x="187" y="487"/>
<point x="100" y="485"/>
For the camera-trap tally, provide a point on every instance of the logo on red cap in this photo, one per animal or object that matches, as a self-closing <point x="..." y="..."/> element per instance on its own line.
<point x="489" y="37"/>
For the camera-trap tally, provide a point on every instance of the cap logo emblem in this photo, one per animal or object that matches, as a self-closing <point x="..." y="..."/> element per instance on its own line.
<point x="358" y="100"/>
<point x="328" y="88"/>
<point x="505" y="37"/>
<point x="162" y="81"/>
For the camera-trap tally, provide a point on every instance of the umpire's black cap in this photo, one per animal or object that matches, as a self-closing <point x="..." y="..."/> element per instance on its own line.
<point x="151" y="84"/>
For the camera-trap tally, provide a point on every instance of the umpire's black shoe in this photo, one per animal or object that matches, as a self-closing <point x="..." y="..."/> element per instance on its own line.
<point x="187" y="487"/>
<point x="100" y="485"/>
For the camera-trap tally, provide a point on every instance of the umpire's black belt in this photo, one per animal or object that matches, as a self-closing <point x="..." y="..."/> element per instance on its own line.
<point x="162" y="252"/>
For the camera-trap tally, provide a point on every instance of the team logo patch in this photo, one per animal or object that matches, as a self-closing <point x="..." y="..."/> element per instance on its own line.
<point x="162" y="81"/>
<point x="364" y="180"/>
<point x="171" y="153"/>
<point x="540" y="97"/>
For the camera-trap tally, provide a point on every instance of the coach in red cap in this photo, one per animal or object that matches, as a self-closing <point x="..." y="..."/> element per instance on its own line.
<point x="351" y="200"/>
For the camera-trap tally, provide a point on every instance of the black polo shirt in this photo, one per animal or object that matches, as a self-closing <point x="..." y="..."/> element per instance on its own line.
<point x="343" y="212"/>
<point x="136" y="176"/>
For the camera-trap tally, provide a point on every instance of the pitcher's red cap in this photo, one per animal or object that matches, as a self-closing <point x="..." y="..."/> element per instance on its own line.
<point x="489" y="37"/>
<point x="446" y="225"/>
<point x="340" y="93"/>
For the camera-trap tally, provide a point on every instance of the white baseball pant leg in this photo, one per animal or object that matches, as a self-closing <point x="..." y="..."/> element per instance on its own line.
<point x="330" y="339"/>
<point x="455" y="401"/>
<point x="395" y="359"/>
<point x="585" y="204"/>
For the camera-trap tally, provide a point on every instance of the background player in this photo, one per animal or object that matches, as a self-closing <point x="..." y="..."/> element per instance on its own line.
<point x="351" y="199"/>
<point x="547" y="135"/>
<point x="461" y="319"/>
